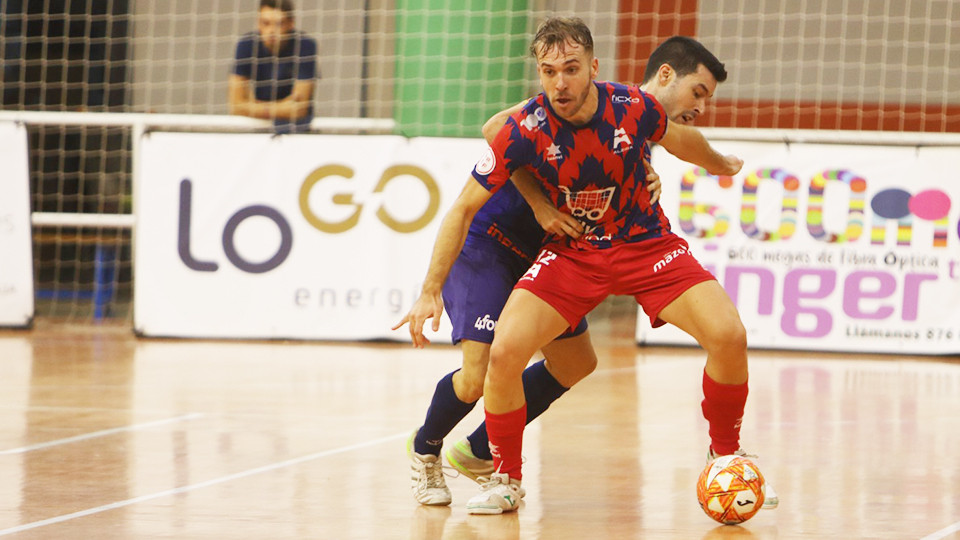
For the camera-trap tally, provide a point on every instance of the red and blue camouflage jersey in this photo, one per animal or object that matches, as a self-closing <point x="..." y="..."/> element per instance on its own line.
<point x="594" y="172"/>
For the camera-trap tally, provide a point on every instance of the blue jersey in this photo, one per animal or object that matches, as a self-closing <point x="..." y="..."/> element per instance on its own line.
<point x="595" y="172"/>
<point x="505" y="221"/>
<point x="273" y="76"/>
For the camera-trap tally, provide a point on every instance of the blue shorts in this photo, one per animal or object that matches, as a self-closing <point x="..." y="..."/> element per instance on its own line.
<point x="477" y="288"/>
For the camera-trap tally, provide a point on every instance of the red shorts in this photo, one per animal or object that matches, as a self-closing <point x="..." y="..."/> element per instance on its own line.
<point x="655" y="272"/>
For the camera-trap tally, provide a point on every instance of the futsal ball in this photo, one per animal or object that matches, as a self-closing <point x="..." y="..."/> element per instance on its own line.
<point x="730" y="489"/>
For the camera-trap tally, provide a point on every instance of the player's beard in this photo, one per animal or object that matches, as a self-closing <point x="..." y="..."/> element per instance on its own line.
<point x="571" y="108"/>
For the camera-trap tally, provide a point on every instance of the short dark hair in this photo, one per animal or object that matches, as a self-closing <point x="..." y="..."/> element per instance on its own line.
<point x="286" y="6"/>
<point x="684" y="55"/>
<point x="556" y="31"/>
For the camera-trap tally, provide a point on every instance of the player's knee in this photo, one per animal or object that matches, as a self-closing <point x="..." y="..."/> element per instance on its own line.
<point x="504" y="360"/>
<point x="500" y="352"/>
<point x="583" y="367"/>
<point x="570" y="360"/>
<point x="589" y="365"/>
<point x="472" y="390"/>
<point x="729" y="338"/>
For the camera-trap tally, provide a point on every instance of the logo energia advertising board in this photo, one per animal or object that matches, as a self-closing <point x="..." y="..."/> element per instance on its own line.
<point x="281" y="222"/>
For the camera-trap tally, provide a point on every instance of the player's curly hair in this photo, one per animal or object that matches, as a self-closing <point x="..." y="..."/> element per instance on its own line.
<point x="684" y="55"/>
<point x="557" y="31"/>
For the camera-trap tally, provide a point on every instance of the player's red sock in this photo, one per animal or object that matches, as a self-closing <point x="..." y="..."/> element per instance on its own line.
<point x="506" y="440"/>
<point x="723" y="408"/>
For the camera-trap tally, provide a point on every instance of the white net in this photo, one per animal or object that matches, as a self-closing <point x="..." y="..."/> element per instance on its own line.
<point x="854" y="65"/>
<point x="858" y="64"/>
<point x="435" y="67"/>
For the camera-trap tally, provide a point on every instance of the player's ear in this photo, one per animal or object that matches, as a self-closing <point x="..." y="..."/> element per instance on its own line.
<point x="665" y="74"/>
<point x="594" y="68"/>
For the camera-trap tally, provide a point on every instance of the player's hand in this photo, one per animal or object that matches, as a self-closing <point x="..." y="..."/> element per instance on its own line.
<point x="732" y="165"/>
<point x="426" y="307"/>
<point x="555" y="222"/>
<point x="653" y="182"/>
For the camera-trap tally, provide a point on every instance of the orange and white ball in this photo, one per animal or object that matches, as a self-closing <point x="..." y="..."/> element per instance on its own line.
<point x="730" y="489"/>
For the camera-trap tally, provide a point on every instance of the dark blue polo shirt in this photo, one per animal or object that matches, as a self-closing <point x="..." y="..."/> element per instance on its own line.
<point x="273" y="76"/>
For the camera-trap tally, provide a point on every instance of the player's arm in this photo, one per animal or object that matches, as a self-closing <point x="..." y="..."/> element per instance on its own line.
<point x="688" y="144"/>
<point x="446" y="249"/>
<point x="552" y="221"/>
<point x="492" y="126"/>
<point x="242" y="101"/>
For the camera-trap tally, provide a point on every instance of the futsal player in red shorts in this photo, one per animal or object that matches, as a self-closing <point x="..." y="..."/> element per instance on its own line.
<point x="585" y="142"/>
<point x="682" y="75"/>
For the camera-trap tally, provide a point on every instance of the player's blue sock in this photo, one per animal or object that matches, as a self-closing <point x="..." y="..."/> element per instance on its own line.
<point x="540" y="389"/>
<point x="445" y="411"/>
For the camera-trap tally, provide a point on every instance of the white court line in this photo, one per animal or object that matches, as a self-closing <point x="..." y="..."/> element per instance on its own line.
<point x="942" y="533"/>
<point x="95" y="434"/>
<point x="193" y="487"/>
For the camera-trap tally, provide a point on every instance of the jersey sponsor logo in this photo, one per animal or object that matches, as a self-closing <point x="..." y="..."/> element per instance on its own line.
<point x="544" y="259"/>
<point x="554" y="153"/>
<point x="494" y="232"/>
<point x="532" y="121"/>
<point x="487" y="162"/>
<point x="590" y="237"/>
<point x="669" y="257"/>
<point x="621" y="139"/>
<point x="591" y="204"/>
<point x="625" y="99"/>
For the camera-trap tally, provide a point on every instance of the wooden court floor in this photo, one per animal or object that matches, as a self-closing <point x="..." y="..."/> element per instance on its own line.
<point x="107" y="436"/>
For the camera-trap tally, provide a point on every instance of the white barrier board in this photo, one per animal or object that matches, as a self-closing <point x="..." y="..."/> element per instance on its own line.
<point x="16" y="252"/>
<point x="826" y="247"/>
<point x="304" y="236"/>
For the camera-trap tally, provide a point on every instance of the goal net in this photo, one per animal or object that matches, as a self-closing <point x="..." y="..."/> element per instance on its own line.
<point x="436" y="68"/>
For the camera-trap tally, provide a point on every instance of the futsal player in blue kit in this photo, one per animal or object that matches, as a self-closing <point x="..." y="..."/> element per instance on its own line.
<point x="500" y="245"/>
